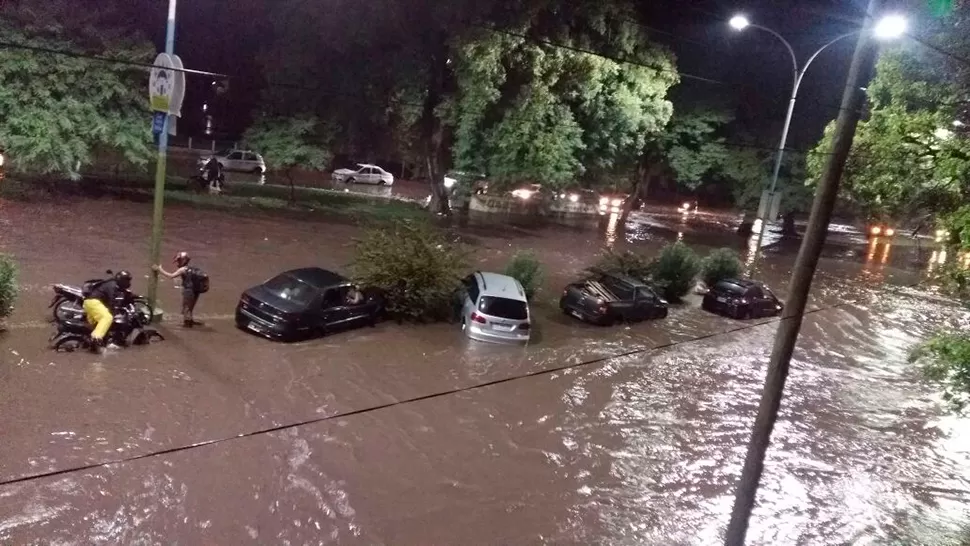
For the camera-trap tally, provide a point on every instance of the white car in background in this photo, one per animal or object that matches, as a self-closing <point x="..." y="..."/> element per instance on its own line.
<point x="365" y="174"/>
<point x="244" y="161"/>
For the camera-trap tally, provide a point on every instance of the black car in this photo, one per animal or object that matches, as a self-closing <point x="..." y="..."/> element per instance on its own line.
<point x="742" y="299"/>
<point x="606" y="299"/>
<point x="306" y="302"/>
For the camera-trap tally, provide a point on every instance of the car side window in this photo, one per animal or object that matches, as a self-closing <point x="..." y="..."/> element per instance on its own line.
<point x="365" y="170"/>
<point x="755" y="293"/>
<point x="644" y="294"/>
<point x="249" y="157"/>
<point x="235" y="155"/>
<point x="331" y="298"/>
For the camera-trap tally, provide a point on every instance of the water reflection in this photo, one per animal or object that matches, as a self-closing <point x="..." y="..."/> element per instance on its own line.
<point x="611" y="228"/>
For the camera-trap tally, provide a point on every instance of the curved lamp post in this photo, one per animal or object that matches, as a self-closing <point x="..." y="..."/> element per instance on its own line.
<point x="889" y="27"/>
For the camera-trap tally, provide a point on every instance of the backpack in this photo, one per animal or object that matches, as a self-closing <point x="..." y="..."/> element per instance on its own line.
<point x="199" y="280"/>
<point x="88" y="288"/>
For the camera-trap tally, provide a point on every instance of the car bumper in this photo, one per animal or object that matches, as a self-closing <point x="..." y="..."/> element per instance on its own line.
<point x="725" y="309"/>
<point x="490" y="336"/>
<point x="271" y="330"/>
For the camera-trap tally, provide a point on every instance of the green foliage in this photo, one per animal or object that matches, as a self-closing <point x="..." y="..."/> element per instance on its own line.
<point x="946" y="359"/>
<point x="720" y="264"/>
<point x="626" y="263"/>
<point x="674" y="271"/>
<point x="8" y="285"/>
<point x="416" y="267"/>
<point x="954" y="280"/>
<point x="905" y="164"/>
<point x="525" y="111"/>
<point x="287" y="142"/>
<point x="526" y="268"/>
<point x="958" y="224"/>
<point x="58" y="111"/>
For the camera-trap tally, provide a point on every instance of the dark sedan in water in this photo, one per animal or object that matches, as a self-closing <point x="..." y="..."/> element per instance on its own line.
<point x="742" y="299"/>
<point x="305" y="302"/>
<point x="606" y="299"/>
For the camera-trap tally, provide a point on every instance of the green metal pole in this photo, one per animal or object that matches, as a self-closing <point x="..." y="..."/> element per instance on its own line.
<point x="158" y="213"/>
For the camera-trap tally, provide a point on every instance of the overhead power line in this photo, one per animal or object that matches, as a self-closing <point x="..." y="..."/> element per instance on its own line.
<point x="74" y="54"/>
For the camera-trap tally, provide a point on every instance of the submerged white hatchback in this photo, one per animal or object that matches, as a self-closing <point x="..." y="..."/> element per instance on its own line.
<point x="495" y="309"/>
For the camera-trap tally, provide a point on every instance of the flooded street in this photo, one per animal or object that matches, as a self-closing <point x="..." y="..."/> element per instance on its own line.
<point x="413" y="435"/>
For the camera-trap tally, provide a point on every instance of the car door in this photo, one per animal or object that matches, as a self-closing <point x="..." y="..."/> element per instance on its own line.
<point x="332" y="310"/>
<point x="248" y="162"/>
<point x="469" y="297"/>
<point x="758" y="302"/>
<point x="233" y="161"/>
<point x="646" y="303"/>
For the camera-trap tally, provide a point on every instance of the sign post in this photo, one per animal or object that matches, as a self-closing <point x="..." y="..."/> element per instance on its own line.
<point x="162" y="96"/>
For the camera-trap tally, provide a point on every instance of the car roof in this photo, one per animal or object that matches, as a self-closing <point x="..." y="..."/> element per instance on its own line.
<point x="501" y="286"/>
<point x="320" y="278"/>
<point x="743" y="283"/>
<point x="636" y="283"/>
<point x="362" y="165"/>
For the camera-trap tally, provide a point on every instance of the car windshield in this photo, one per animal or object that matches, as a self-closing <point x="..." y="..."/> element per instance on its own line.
<point x="503" y="308"/>
<point x="291" y="289"/>
<point x="729" y="288"/>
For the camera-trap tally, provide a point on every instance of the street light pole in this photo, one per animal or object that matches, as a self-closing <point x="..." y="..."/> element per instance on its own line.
<point x="157" y="216"/>
<point x="800" y="285"/>
<point x="798" y="76"/>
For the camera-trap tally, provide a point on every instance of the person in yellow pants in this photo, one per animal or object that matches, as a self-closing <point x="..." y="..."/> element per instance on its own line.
<point x="98" y="304"/>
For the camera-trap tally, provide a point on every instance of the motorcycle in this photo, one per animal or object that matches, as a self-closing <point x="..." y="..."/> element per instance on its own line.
<point x="130" y="327"/>
<point x="200" y="181"/>
<point x="68" y="301"/>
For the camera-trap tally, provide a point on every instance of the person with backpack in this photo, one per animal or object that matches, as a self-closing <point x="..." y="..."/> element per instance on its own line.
<point x="194" y="283"/>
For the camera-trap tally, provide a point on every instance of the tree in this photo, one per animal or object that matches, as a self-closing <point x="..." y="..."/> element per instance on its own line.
<point x="534" y="103"/>
<point x="290" y="142"/>
<point x="58" y="111"/>
<point x="908" y="161"/>
<point x="753" y="176"/>
<point x="689" y="152"/>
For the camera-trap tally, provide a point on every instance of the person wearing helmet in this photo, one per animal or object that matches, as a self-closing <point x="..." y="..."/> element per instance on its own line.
<point x="186" y="276"/>
<point x="99" y="304"/>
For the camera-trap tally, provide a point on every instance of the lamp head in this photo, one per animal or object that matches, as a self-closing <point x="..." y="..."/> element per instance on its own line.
<point x="890" y="27"/>
<point x="739" y="22"/>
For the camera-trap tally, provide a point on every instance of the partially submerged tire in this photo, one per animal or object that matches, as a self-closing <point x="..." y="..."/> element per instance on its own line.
<point x="68" y="343"/>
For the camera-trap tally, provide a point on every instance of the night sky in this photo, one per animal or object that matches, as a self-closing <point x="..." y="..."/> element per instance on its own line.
<point x="226" y="37"/>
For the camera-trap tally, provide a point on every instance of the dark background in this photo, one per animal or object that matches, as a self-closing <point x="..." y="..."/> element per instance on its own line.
<point x="752" y="67"/>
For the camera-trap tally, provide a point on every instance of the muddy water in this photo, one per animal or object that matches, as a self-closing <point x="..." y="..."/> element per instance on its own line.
<point x="409" y="435"/>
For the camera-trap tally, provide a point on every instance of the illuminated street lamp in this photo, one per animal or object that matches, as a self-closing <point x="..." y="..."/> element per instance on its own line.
<point x="889" y="27"/>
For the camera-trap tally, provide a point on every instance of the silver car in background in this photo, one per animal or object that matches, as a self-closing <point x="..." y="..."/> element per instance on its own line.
<point x="494" y="309"/>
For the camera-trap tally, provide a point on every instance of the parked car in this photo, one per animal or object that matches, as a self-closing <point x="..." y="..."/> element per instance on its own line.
<point x="305" y="302"/>
<point x="742" y="299"/>
<point x="494" y="308"/>
<point x="245" y="161"/>
<point x="365" y="174"/>
<point x="607" y="299"/>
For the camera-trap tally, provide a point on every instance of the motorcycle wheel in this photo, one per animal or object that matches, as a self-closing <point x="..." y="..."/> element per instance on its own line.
<point x="145" y="337"/>
<point x="66" y="310"/>
<point x="69" y="343"/>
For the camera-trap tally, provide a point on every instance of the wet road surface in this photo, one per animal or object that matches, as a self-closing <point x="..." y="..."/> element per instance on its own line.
<point x="411" y="435"/>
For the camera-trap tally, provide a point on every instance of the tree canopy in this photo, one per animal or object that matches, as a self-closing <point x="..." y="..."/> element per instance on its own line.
<point x="59" y="110"/>
<point x="909" y="162"/>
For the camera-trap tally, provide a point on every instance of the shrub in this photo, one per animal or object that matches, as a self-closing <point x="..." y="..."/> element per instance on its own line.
<point x="623" y="263"/>
<point x="525" y="268"/>
<point x="673" y="272"/>
<point x="946" y="359"/>
<point x="8" y="285"/>
<point x="414" y="265"/>
<point x="721" y="264"/>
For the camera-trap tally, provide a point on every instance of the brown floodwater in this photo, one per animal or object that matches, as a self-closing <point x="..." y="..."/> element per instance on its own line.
<point x="413" y="435"/>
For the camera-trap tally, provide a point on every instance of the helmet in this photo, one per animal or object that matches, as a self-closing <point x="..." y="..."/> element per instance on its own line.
<point x="182" y="259"/>
<point x="123" y="278"/>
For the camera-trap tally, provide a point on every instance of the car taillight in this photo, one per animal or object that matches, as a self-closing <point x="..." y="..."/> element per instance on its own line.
<point x="602" y="309"/>
<point x="478" y="318"/>
<point x="524" y="326"/>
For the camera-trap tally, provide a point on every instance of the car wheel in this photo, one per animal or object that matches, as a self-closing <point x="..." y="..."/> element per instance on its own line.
<point x="351" y="180"/>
